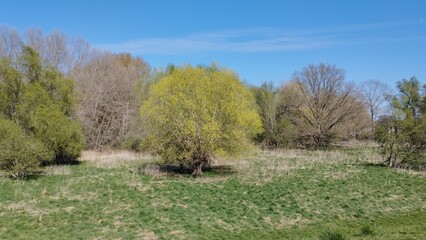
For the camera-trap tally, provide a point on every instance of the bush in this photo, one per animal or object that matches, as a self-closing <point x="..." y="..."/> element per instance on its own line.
<point x="41" y="101"/>
<point x="20" y="155"/>
<point x="133" y="144"/>
<point x="403" y="135"/>
<point x="286" y="133"/>
<point x="62" y="135"/>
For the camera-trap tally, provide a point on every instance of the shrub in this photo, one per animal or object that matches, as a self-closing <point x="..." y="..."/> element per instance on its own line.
<point x="403" y="135"/>
<point x="20" y="154"/>
<point x="41" y="101"/>
<point x="62" y="135"/>
<point x="286" y="133"/>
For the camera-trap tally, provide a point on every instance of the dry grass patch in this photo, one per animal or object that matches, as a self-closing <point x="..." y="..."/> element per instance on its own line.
<point x="114" y="158"/>
<point x="69" y="209"/>
<point x="151" y="170"/>
<point x="358" y="144"/>
<point x="265" y="166"/>
<point x="138" y="185"/>
<point x="412" y="172"/>
<point x="149" y="235"/>
<point x="288" y="222"/>
<point x="57" y="170"/>
<point x="115" y="208"/>
<point x="224" y="225"/>
<point x="30" y="208"/>
<point x="178" y="234"/>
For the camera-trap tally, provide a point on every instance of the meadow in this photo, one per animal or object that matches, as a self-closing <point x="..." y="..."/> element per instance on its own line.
<point x="282" y="194"/>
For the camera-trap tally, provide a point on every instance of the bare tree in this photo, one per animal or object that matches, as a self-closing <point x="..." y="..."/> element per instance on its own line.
<point x="326" y="102"/>
<point x="57" y="50"/>
<point x="109" y="89"/>
<point x="79" y="52"/>
<point x="374" y="94"/>
<point x="10" y="40"/>
<point x="35" y="39"/>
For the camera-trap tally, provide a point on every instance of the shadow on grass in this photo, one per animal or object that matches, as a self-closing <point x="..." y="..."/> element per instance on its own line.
<point x="177" y="170"/>
<point x="420" y="168"/>
<point x="34" y="175"/>
<point x="375" y="165"/>
<point x="62" y="162"/>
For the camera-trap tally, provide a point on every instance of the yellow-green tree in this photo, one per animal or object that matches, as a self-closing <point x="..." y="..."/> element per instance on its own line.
<point x="196" y="113"/>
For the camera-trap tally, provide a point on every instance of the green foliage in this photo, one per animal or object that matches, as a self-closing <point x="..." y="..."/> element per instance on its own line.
<point x="286" y="133"/>
<point x="62" y="135"/>
<point x="20" y="155"/>
<point x="41" y="101"/>
<point x="194" y="114"/>
<point x="266" y="99"/>
<point x="423" y="104"/>
<point x="60" y="90"/>
<point x="31" y="64"/>
<point x="11" y="85"/>
<point x="391" y="141"/>
<point x="403" y="135"/>
<point x="32" y="97"/>
<point x="42" y="116"/>
<point x="3" y="100"/>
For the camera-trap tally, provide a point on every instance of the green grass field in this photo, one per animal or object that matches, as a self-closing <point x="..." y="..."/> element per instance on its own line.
<point x="288" y="194"/>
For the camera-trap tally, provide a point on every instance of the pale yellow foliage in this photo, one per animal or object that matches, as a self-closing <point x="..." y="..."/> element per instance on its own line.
<point x="197" y="113"/>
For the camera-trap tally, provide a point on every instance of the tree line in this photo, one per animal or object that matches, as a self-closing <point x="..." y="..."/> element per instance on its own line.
<point x="318" y="108"/>
<point x="58" y="96"/>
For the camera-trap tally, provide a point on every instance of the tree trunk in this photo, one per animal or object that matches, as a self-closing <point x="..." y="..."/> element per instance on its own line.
<point x="318" y="141"/>
<point x="197" y="169"/>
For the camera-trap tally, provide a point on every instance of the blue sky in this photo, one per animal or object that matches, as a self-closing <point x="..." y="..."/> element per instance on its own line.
<point x="264" y="40"/>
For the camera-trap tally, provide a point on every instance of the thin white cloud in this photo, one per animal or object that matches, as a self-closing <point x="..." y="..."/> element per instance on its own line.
<point x="196" y="44"/>
<point x="261" y="40"/>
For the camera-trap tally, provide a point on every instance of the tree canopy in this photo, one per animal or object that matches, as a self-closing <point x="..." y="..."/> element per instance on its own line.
<point x="196" y="113"/>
